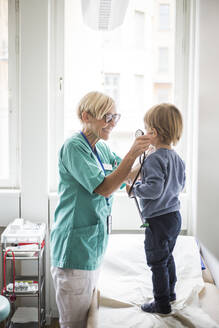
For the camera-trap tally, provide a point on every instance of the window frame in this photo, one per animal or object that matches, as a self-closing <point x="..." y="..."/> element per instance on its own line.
<point x="182" y="44"/>
<point x="13" y="98"/>
<point x="56" y="89"/>
<point x="182" y="68"/>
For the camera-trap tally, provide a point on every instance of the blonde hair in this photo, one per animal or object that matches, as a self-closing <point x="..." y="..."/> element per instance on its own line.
<point x="96" y="103"/>
<point x="167" y="120"/>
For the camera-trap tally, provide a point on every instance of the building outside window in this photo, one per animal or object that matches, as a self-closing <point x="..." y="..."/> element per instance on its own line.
<point x="139" y="91"/>
<point x="162" y="92"/>
<point x="164" y="16"/>
<point x="139" y="35"/>
<point x="163" y="60"/>
<point x="111" y="86"/>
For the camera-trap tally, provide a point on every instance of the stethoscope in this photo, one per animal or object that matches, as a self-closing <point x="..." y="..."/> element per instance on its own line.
<point x="142" y="158"/>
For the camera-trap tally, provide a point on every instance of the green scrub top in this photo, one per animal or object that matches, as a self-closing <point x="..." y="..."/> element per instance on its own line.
<point x="79" y="233"/>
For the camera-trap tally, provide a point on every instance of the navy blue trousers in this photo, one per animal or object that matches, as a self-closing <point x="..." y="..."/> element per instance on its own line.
<point x="160" y="239"/>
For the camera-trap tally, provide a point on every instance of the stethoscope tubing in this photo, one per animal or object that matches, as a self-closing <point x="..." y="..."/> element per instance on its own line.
<point x="144" y="224"/>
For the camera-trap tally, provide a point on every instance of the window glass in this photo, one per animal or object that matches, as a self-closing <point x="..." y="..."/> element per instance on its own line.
<point x="111" y="86"/>
<point x="162" y="92"/>
<point x="4" y="138"/>
<point x="164" y="16"/>
<point x="139" y="35"/>
<point x="139" y="92"/>
<point x="163" y="60"/>
<point x="109" y="61"/>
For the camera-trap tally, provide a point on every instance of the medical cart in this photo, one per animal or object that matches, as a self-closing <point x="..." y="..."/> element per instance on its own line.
<point x="24" y="241"/>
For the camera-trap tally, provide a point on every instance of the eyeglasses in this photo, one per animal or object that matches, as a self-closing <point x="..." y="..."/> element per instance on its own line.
<point x="109" y="117"/>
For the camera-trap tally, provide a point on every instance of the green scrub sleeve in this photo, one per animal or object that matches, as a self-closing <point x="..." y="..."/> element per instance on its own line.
<point x="83" y="166"/>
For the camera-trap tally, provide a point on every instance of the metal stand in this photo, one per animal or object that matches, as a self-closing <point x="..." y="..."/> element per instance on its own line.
<point x="38" y="279"/>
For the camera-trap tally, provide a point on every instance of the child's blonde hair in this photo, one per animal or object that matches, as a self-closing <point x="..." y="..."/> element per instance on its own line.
<point x="96" y="103"/>
<point x="167" y="120"/>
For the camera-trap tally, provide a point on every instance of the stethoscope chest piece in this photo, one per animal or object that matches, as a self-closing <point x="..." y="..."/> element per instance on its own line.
<point x="139" y="133"/>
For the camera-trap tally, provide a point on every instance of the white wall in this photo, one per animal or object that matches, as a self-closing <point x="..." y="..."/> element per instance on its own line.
<point x="9" y="206"/>
<point x="34" y="108"/>
<point x="34" y="94"/>
<point x="208" y="125"/>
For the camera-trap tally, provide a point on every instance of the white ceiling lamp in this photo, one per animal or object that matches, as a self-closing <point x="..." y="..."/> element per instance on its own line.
<point x="104" y="14"/>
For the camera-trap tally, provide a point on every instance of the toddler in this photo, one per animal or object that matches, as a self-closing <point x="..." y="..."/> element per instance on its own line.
<point x="162" y="179"/>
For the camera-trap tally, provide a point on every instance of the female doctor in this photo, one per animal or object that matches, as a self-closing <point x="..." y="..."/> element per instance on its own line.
<point x="89" y="174"/>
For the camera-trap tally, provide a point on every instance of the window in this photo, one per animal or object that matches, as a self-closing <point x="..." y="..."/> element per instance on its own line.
<point x="162" y="95"/>
<point x="97" y="61"/>
<point x="139" y="91"/>
<point x="111" y="86"/>
<point x="163" y="60"/>
<point x="162" y="92"/>
<point x="164" y="16"/>
<point x="8" y="92"/>
<point x="4" y="138"/>
<point x="139" y="35"/>
<point x="108" y="62"/>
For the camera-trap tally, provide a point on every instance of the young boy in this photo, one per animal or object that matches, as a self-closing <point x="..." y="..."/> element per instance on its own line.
<point x="162" y="179"/>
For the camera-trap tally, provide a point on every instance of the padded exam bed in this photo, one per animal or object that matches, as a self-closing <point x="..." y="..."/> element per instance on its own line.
<point x="125" y="283"/>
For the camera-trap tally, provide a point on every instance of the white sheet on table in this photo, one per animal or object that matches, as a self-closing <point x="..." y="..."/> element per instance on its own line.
<point x="125" y="283"/>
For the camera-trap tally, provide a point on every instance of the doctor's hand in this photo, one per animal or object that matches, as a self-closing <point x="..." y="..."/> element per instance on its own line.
<point x="140" y="145"/>
<point x="128" y="186"/>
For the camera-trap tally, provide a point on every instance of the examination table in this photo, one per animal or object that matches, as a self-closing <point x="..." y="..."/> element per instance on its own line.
<point x="125" y="283"/>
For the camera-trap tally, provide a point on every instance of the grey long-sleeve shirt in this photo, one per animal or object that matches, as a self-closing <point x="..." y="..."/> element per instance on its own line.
<point x="162" y="179"/>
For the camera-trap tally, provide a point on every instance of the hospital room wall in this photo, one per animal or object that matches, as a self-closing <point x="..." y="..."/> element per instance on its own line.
<point x="208" y="133"/>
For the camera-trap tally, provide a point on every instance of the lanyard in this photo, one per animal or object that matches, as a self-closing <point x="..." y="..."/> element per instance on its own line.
<point x="98" y="157"/>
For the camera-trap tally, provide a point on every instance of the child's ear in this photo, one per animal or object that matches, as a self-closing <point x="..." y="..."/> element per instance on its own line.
<point x="154" y="131"/>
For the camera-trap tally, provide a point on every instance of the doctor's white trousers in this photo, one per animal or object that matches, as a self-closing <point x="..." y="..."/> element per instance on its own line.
<point x="74" y="290"/>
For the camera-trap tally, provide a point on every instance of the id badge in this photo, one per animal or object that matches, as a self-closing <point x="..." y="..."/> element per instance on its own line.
<point x="109" y="224"/>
